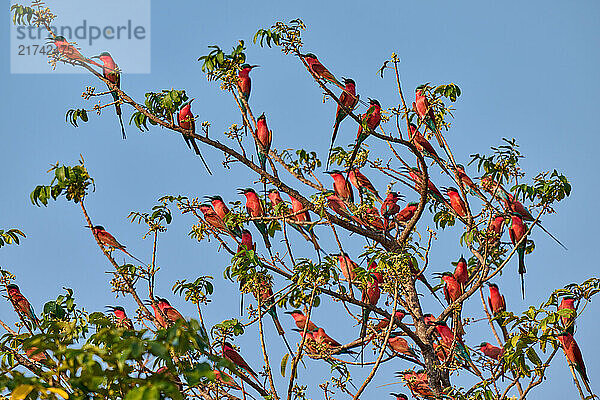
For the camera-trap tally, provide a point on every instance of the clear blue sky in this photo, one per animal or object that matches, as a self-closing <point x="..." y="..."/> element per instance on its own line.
<point x="526" y="69"/>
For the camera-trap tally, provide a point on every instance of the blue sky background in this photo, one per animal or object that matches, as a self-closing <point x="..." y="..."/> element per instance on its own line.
<point x="527" y="70"/>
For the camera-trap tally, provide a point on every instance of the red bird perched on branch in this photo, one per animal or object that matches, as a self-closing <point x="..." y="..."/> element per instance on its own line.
<point x="362" y="183"/>
<point x="389" y="208"/>
<point x="233" y="356"/>
<point x="303" y="216"/>
<point x="421" y="143"/>
<point x="574" y="356"/>
<point x="22" y="305"/>
<point x="245" y="83"/>
<point x="407" y="212"/>
<point x="341" y="186"/>
<point x="157" y="314"/>
<point x="425" y="111"/>
<point x="456" y="202"/>
<point x="255" y="209"/>
<point x="347" y="267"/>
<point x="275" y="198"/>
<point x="212" y="218"/>
<point x="225" y="379"/>
<point x="399" y="396"/>
<point x="319" y="70"/>
<point x="495" y="230"/>
<point x="168" y="310"/>
<point x="518" y="231"/>
<point x="461" y="272"/>
<point x="246" y="244"/>
<point x="371" y="120"/>
<point x="122" y="320"/>
<point x="187" y="121"/>
<point x="452" y="291"/>
<point x="349" y="99"/>
<point x="466" y="181"/>
<point x="370" y="295"/>
<point x="300" y="320"/>
<point x="568" y="322"/>
<point x="400" y="345"/>
<point x="415" y="175"/>
<point x="490" y="351"/>
<point x="497" y="305"/>
<point x="398" y="316"/>
<point x="322" y="337"/>
<point x="109" y="240"/>
<point x="265" y="138"/>
<point x="111" y="72"/>
<point x="339" y="207"/>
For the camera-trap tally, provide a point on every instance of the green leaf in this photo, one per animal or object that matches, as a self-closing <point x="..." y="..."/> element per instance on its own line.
<point x="284" y="361"/>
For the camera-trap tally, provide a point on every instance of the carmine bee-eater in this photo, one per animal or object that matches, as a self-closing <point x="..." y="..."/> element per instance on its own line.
<point x="515" y="206"/>
<point x="21" y="304"/>
<point x="372" y="218"/>
<point x="339" y="207"/>
<point x="418" y="383"/>
<point x="111" y="72"/>
<point x="450" y="340"/>
<point x="222" y="211"/>
<point x="275" y="198"/>
<point x="233" y="356"/>
<point x="303" y="216"/>
<point x="245" y="83"/>
<point x="461" y="272"/>
<point x="421" y="143"/>
<point x="490" y="351"/>
<point x="398" y="316"/>
<point x="158" y="314"/>
<point x="211" y="217"/>
<point x="497" y="305"/>
<point x="456" y="202"/>
<point x="452" y="291"/>
<point x="371" y="120"/>
<point x="300" y="320"/>
<point x="466" y="181"/>
<point x="265" y="137"/>
<point x="225" y="379"/>
<point x="246" y="243"/>
<point x="168" y="310"/>
<point x="341" y="186"/>
<point x="362" y="183"/>
<point x="389" y="208"/>
<point x="319" y="70"/>
<point x="399" y="396"/>
<point x="349" y="99"/>
<point x="518" y="231"/>
<point x="186" y="120"/>
<point x="67" y="50"/>
<point x="495" y="230"/>
<point x="400" y="345"/>
<point x="122" y="320"/>
<point x="425" y="112"/>
<point x="574" y="356"/>
<point x="568" y="322"/>
<point x="370" y="295"/>
<point x="33" y="353"/>
<point x="109" y="240"/>
<point x="322" y="337"/>
<point x="415" y="175"/>
<point x="255" y="210"/>
<point x="347" y="267"/>
<point x="407" y="212"/>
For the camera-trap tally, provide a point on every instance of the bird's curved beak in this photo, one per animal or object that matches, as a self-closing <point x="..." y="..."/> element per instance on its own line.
<point x="98" y="57"/>
<point x="288" y="312"/>
<point x="255" y="66"/>
<point x="147" y="302"/>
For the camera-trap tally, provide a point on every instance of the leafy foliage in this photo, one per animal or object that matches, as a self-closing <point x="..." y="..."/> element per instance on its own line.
<point x="72" y="182"/>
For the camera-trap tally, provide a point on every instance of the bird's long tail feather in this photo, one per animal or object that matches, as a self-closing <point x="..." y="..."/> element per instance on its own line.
<point x="197" y="151"/>
<point x="552" y="236"/>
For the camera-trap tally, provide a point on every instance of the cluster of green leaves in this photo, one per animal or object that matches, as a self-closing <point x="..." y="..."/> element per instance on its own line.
<point x="156" y="220"/>
<point x="197" y="292"/>
<point x="434" y="95"/>
<point x="162" y="104"/>
<point x="73" y="182"/>
<point x="443" y="218"/>
<point x="22" y="15"/>
<point x="217" y="64"/>
<point x="340" y="156"/>
<point x="74" y="114"/>
<point x="10" y="236"/>
<point x="503" y="164"/>
<point x="287" y="36"/>
<point x="547" y="188"/>
<point x="306" y="162"/>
